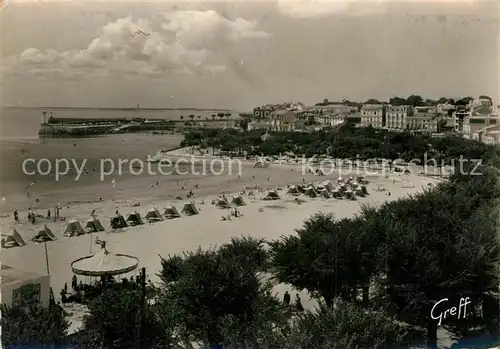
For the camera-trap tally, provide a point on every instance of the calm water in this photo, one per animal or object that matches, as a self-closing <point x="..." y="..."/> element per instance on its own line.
<point x="19" y="140"/>
<point x="24" y="123"/>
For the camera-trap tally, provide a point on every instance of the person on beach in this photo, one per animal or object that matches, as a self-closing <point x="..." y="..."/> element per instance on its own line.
<point x="16" y="216"/>
<point x="74" y="283"/>
<point x="92" y="214"/>
<point x="48" y="214"/>
<point x="286" y="298"/>
<point x="298" y="303"/>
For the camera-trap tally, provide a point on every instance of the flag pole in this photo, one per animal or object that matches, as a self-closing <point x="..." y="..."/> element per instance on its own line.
<point x="46" y="258"/>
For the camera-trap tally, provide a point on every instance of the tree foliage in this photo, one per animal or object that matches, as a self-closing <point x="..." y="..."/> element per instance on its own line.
<point x="347" y="142"/>
<point x="114" y="319"/>
<point x="33" y="327"/>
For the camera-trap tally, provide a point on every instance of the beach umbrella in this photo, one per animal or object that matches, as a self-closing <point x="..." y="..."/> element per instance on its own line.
<point x="104" y="263"/>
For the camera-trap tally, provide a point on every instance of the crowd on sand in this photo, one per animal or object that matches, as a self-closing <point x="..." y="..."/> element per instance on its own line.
<point x="344" y="188"/>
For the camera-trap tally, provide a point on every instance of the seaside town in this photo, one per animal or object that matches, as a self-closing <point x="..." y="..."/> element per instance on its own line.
<point x="92" y="261"/>
<point x="250" y="175"/>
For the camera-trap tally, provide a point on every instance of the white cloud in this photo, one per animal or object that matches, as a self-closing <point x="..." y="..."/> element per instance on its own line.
<point x="187" y="44"/>
<point x="196" y="29"/>
<point x="320" y="8"/>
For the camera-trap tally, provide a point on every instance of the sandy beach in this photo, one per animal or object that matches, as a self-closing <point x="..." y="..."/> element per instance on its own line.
<point x="265" y="219"/>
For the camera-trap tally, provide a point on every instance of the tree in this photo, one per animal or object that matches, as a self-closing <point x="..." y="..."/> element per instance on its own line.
<point x="422" y="257"/>
<point x="430" y="102"/>
<point x="348" y="326"/>
<point x="181" y="117"/>
<point x="30" y="327"/>
<point x="114" y="318"/>
<point x="464" y="101"/>
<point x="397" y="101"/>
<point x="415" y="101"/>
<point x="322" y="251"/>
<point x="191" y="116"/>
<point x="443" y="100"/>
<point x="213" y="288"/>
<point x="373" y="101"/>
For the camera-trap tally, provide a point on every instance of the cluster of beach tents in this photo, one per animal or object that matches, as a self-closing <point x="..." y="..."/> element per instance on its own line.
<point x="14" y="239"/>
<point x="344" y="189"/>
<point x="223" y="202"/>
<point x="93" y="225"/>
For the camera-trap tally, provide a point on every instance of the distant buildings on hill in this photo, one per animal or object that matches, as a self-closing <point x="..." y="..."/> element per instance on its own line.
<point x="476" y="120"/>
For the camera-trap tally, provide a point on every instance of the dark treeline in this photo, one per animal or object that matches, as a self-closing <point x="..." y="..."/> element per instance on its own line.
<point x="345" y="142"/>
<point x="413" y="100"/>
<point x="376" y="277"/>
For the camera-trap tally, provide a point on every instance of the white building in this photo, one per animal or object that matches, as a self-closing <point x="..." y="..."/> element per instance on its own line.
<point x="372" y="115"/>
<point x="396" y="117"/>
<point x="330" y="119"/>
<point x="23" y="287"/>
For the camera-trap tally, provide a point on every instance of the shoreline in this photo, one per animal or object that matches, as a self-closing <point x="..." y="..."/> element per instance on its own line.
<point x="270" y="220"/>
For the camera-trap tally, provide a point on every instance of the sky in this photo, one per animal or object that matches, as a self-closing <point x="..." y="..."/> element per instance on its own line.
<point x="242" y="54"/>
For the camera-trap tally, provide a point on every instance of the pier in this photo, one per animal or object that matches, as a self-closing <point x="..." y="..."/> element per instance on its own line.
<point x="89" y="127"/>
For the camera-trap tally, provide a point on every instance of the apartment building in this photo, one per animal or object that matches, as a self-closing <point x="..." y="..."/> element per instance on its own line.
<point x="330" y="119"/>
<point x="396" y="117"/>
<point x="257" y="125"/>
<point x="373" y="115"/>
<point x="282" y="120"/>
<point x="423" y="122"/>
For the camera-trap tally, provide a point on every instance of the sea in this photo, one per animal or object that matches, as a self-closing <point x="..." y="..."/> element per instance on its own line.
<point x="19" y="141"/>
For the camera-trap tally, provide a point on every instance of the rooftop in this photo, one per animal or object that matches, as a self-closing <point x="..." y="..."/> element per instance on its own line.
<point x="9" y="275"/>
<point x="372" y="106"/>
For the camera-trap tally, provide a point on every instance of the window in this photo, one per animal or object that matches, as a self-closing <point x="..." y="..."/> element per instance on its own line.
<point x="26" y="295"/>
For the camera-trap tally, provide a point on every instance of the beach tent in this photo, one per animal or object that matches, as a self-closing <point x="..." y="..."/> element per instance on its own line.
<point x="238" y="201"/>
<point x="74" y="228"/>
<point x="293" y="190"/>
<point x="171" y="212"/>
<point x="349" y="194"/>
<point x="189" y="209"/>
<point x="44" y="235"/>
<point x="93" y="225"/>
<point x="325" y="194"/>
<point x="222" y="203"/>
<point x="261" y="164"/>
<point x="13" y="239"/>
<point x="311" y="192"/>
<point x="300" y="188"/>
<point x="359" y="192"/>
<point x="134" y="219"/>
<point x="153" y="215"/>
<point x="118" y="222"/>
<point x="271" y="195"/>
<point x="336" y="194"/>
<point x="327" y="185"/>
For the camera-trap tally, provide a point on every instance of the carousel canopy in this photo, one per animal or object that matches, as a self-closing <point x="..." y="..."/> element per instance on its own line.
<point x="104" y="263"/>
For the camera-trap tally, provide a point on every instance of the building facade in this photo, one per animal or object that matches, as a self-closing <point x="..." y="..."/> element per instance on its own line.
<point x="331" y="120"/>
<point x="22" y="288"/>
<point x="396" y="117"/>
<point x="373" y="115"/>
<point x="423" y="122"/>
<point x="282" y="120"/>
